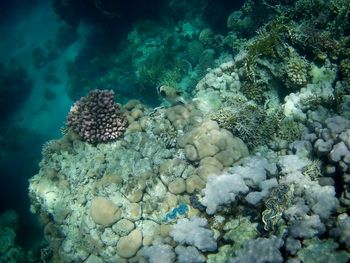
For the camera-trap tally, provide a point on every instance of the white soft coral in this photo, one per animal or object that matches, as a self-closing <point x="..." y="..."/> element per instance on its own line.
<point x="222" y="189"/>
<point x="194" y="232"/>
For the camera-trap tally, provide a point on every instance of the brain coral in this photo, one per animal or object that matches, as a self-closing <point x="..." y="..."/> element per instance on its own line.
<point x="97" y="118"/>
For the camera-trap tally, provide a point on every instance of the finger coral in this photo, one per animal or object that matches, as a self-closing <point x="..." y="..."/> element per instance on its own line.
<point x="96" y="118"/>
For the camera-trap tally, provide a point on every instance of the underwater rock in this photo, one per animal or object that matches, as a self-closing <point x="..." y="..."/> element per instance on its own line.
<point x="191" y="152"/>
<point x="94" y="259"/>
<point x="130" y="244"/>
<point x="194" y="183"/>
<point x="323" y="147"/>
<point x="123" y="227"/>
<point x="292" y="245"/>
<point x="109" y="237"/>
<point x="297" y="104"/>
<point x="104" y="212"/>
<point x="133" y="211"/>
<point x="342" y="229"/>
<point x="208" y="140"/>
<point x="338" y="152"/>
<point x="203" y="171"/>
<point x="178" y="186"/>
<point x="10" y="251"/>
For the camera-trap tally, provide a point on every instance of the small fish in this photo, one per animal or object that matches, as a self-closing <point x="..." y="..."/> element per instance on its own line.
<point x="171" y="94"/>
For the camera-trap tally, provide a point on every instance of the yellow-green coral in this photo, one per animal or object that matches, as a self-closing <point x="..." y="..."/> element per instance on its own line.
<point x="344" y="69"/>
<point x="168" y="135"/>
<point x="249" y="122"/>
<point x="297" y="71"/>
<point x="240" y="230"/>
<point x="290" y="130"/>
<point x="266" y="44"/>
<point x="254" y="91"/>
<point x="225" y="117"/>
<point x="206" y="36"/>
<point x="313" y="169"/>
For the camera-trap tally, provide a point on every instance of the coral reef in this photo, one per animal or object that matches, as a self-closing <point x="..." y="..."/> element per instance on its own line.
<point x="180" y="185"/>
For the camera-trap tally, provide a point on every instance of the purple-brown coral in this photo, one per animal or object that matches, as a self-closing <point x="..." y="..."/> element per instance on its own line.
<point x="97" y="118"/>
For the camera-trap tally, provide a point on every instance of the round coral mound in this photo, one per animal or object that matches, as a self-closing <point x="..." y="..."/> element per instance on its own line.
<point x="96" y="118"/>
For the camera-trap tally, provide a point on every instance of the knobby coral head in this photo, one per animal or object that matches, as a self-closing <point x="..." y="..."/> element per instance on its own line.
<point x="96" y="118"/>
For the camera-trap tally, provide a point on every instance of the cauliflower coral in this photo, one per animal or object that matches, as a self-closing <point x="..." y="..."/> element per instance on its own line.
<point x="96" y="118"/>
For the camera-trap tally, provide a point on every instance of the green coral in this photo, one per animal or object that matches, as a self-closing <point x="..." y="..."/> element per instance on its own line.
<point x="206" y="36"/>
<point x="150" y="71"/>
<point x="159" y="69"/>
<point x="173" y="75"/>
<point x="225" y="117"/>
<point x="263" y="45"/>
<point x="326" y="73"/>
<point x="316" y="250"/>
<point x="290" y="130"/>
<point x="297" y="69"/>
<point x="249" y="122"/>
<point x="313" y="169"/>
<point x="344" y="69"/>
<point x="253" y="125"/>
<point x="225" y="253"/>
<point x="255" y="91"/>
<point x="166" y="133"/>
<point x="240" y="230"/>
<point x="268" y="43"/>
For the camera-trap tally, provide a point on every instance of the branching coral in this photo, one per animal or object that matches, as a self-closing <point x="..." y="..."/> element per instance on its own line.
<point x="249" y="122"/>
<point x="289" y="130"/>
<point x="268" y="43"/>
<point x="297" y="71"/>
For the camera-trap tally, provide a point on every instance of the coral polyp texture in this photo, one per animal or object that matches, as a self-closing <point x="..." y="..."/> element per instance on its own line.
<point x="96" y="118"/>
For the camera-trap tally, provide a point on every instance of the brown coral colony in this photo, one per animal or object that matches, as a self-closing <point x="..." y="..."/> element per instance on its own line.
<point x="96" y="118"/>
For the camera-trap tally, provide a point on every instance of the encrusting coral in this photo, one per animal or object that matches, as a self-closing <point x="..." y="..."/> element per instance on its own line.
<point x="97" y="118"/>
